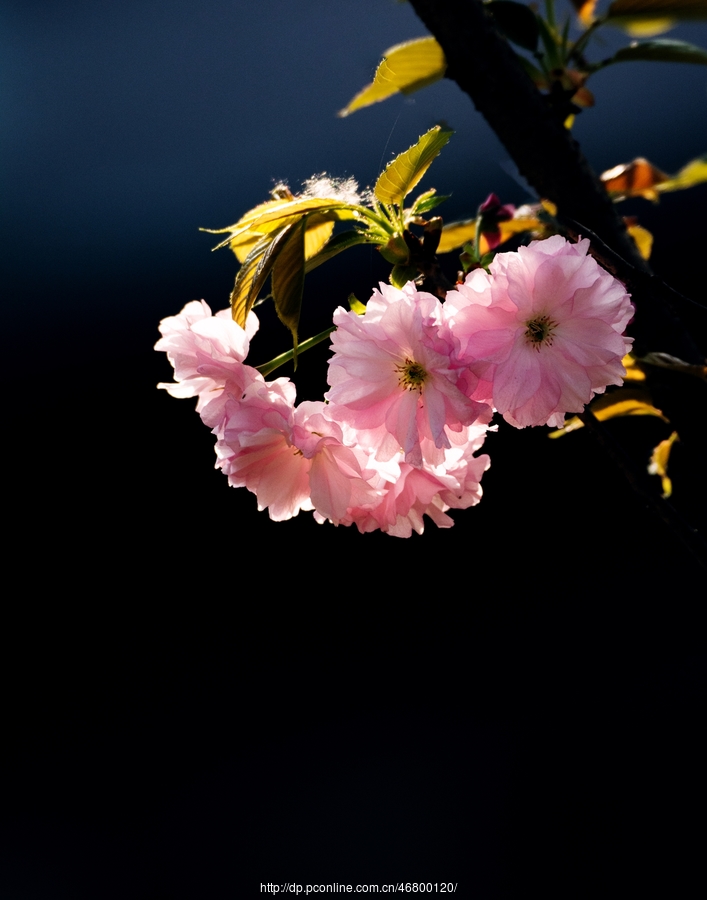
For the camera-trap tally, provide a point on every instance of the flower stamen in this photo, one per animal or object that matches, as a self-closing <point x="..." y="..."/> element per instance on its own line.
<point x="412" y="375"/>
<point x="539" y="331"/>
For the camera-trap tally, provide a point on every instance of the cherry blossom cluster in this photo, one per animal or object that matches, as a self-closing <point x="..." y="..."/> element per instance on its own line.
<point x="413" y="385"/>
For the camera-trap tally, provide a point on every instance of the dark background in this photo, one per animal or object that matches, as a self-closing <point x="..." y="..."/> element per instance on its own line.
<point x="196" y="700"/>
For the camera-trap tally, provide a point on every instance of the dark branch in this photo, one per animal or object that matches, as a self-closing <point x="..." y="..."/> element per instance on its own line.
<point x="483" y="64"/>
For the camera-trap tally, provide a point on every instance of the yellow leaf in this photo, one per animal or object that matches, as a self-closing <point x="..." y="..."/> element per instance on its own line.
<point x="643" y="239"/>
<point x="646" y="28"/>
<point x="288" y="281"/>
<point x="355" y="305"/>
<point x="456" y="234"/>
<point x="658" y="464"/>
<point x="624" y="402"/>
<point x="633" y="370"/>
<point x="402" y="174"/>
<point x="317" y="232"/>
<point x="695" y="172"/>
<point x="274" y="214"/>
<point x="244" y="243"/>
<point x="404" y="68"/>
<point x="254" y="272"/>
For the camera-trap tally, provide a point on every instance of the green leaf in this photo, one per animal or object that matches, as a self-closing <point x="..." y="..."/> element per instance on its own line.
<point x="405" y="68"/>
<point x="553" y="57"/>
<point x="661" y="50"/>
<point x="338" y="243"/>
<point x="427" y="201"/>
<point x="396" y="251"/>
<point x="516" y="21"/>
<point x="266" y="368"/>
<point x="538" y="78"/>
<point x="253" y="274"/>
<point x="355" y="305"/>
<point x="402" y="174"/>
<point x="400" y="275"/>
<point x="288" y="280"/>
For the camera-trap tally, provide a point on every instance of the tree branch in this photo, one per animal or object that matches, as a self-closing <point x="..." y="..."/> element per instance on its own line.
<point x="485" y="67"/>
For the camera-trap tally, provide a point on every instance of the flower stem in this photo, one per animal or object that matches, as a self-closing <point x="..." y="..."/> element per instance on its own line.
<point x="266" y="368"/>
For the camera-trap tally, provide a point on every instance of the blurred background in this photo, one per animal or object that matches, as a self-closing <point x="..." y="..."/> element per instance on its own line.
<point x="192" y="706"/>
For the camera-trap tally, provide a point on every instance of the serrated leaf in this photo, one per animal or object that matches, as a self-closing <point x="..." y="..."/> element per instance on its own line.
<point x="248" y="218"/>
<point x="288" y="280"/>
<point x="661" y="50"/>
<point x="516" y="21"/>
<point x="301" y="205"/>
<point x="243" y="244"/>
<point x="405" y="68"/>
<point x="402" y="174"/>
<point x="319" y="229"/>
<point x="427" y="201"/>
<point x="270" y="216"/>
<point x="254" y="272"/>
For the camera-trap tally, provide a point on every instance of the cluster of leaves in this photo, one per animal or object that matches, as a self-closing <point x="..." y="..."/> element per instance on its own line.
<point x="289" y="236"/>
<point x="558" y="64"/>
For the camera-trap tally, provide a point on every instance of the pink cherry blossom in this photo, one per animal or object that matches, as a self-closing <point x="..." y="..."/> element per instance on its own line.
<point x="207" y="353"/>
<point x="407" y="493"/>
<point x="391" y="375"/>
<point x="542" y="333"/>
<point x="292" y="458"/>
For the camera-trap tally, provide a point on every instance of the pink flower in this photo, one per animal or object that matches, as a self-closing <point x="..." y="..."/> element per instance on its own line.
<point x="291" y="458"/>
<point x="207" y="353"/>
<point x="255" y="449"/>
<point x="542" y="334"/>
<point x="391" y="375"/>
<point x="405" y="493"/>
